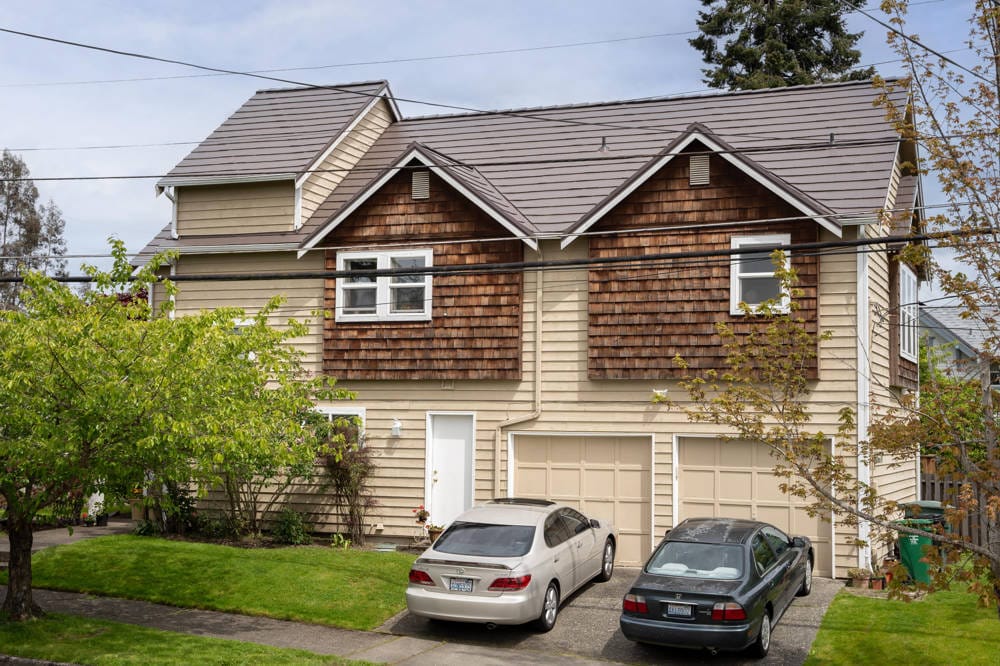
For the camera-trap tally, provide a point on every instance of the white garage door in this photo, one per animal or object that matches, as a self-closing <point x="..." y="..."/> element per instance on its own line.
<point x="609" y="477"/>
<point x="736" y="480"/>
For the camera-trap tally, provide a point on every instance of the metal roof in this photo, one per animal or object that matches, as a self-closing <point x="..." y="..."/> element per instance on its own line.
<point x="543" y="168"/>
<point x="275" y="134"/>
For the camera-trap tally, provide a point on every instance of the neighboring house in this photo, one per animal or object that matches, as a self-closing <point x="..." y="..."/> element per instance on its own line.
<point x="958" y="345"/>
<point x="535" y="375"/>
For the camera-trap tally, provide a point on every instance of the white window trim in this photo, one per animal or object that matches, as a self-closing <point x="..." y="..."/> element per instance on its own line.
<point x="382" y="286"/>
<point x="330" y="411"/>
<point x="908" y="313"/>
<point x="735" y="276"/>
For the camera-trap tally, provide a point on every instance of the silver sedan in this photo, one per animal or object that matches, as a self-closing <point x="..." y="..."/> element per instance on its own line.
<point x="510" y="561"/>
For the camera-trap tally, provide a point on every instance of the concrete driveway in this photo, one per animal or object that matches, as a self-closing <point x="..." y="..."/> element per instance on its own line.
<point x="588" y="627"/>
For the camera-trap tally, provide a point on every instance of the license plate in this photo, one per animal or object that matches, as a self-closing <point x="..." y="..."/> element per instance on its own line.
<point x="460" y="584"/>
<point x="679" y="610"/>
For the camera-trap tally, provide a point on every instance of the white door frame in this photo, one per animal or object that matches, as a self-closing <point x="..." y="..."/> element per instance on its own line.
<point x="429" y="457"/>
<point x="652" y="463"/>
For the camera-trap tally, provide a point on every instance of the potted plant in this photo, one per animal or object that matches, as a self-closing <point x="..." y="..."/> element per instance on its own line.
<point x="859" y="576"/>
<point x="434" y="531"/>
<point x="878" y="581"/>
<point x="421" y="514"/>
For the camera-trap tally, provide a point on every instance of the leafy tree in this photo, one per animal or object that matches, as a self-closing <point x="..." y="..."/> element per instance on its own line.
<point x="98" y="394"/>
<point x="754" y="44"/>
<point x="31" y="233"/>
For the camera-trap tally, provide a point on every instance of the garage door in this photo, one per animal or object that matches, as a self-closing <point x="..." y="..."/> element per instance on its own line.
<point x="736" y="480"/>
<point x="609" y="477"/>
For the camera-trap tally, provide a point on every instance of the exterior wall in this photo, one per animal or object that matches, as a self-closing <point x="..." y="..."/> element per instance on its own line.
<point x="319" y="184"/>
<point x="641" y="318"/>
<point x="475" y="326"/>
<point x="303" y="297"/>
<point x="240" y="208"/>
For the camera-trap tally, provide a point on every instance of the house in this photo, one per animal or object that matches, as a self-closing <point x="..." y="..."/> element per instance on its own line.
<point x="959" y="345"/>
<point x="506" y="291"/>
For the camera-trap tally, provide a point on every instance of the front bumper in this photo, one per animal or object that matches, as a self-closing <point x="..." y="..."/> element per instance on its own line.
<point x="508" y="608"/>
<point x="685" y="634"/>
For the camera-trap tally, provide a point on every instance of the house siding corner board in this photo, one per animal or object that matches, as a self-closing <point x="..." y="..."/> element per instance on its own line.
<point x="476" y="319"/>
<point x="207" y="210"/>
<point x="640" y="318"/>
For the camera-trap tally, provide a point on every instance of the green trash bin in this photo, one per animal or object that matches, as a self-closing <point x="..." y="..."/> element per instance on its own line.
<point x="911" y="548"/>
<point x="929" y="509"/>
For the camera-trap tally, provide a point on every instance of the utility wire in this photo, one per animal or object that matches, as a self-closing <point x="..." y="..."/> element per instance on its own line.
<point x="507" y="267"/>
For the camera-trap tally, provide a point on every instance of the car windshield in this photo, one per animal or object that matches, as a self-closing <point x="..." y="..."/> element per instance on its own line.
<point x="697" y="560"/>
<point x="486" y="539"/>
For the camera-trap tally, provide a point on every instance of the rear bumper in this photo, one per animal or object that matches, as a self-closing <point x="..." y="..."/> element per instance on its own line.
<point x="508" y="608"/>
<point x="684" y="634"/>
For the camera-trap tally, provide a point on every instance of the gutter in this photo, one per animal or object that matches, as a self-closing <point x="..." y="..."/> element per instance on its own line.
<point x="537" y="381"/>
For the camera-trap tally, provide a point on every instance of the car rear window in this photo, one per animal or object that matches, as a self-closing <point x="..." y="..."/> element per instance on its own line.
<point x="486" y="539"/>
<point x="697" y="560"/>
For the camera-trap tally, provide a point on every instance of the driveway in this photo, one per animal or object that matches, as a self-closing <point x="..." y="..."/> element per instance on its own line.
<point x="588" y="627"/>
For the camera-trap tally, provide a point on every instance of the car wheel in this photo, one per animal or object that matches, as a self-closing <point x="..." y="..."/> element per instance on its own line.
<point x="763" y="644"/>
<point x="550" y="609"/>
<point x="607" y="562"/>
<point x="807" y="582"/>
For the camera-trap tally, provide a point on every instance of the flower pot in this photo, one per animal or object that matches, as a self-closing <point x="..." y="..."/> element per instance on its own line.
<point x="878" y="583"/>
<point x="434" y="534"/>
<point x="860" y="582"/>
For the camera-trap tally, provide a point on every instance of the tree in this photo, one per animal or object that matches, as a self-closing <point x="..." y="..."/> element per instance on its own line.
<point x="754" y="44"/>
<point x="31" y="233"/>
<point x="97" y="394"/>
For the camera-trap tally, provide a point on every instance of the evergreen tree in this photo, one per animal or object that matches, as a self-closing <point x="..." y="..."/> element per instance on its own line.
<point x="31" y="233"/>
<point x="754" y="44"/>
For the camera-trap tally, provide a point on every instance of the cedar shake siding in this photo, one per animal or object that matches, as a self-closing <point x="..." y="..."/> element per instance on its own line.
<point x="475" y="326"/>
<point x="640" y="319"/>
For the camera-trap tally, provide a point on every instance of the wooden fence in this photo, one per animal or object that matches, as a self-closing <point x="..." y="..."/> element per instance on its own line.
<point x="933" y="488"/>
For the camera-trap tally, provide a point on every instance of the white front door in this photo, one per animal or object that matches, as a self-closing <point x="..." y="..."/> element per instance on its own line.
<point x="450" y="465"/>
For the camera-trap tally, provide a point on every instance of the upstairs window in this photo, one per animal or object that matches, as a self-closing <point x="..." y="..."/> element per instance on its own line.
<point x="388" y="297"/>
<point x="908" y="313"/>
<point x="751" y="273"/>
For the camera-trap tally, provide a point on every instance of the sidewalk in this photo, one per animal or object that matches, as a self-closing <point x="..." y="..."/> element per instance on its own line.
<point x="59" y="536"/>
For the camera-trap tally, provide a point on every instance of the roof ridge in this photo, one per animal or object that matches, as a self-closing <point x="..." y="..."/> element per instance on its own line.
<point x="650" y="100"/>
<point x="322" y="86"/>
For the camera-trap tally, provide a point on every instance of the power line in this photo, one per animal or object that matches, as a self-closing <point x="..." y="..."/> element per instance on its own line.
<point x="362" y="63"/>
<point x="507" y="267"/>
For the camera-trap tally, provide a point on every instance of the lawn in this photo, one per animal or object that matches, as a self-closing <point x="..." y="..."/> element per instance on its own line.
<point x="79" y="640"/>
<point x="943" y="628"/>
<point x="351" y="589"/>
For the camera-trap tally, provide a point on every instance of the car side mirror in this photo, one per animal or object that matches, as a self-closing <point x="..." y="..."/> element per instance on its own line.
<point x="798" y="542"/>
<point x="595" y="523"/>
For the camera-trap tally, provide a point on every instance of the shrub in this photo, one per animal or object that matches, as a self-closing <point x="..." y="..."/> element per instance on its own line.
<point x="290" y="529"/>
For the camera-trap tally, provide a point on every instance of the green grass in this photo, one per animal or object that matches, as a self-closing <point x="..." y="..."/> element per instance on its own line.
<point x="942" y="628"/>
<point x="84" y="641"/>
<point x="350" y="589"/>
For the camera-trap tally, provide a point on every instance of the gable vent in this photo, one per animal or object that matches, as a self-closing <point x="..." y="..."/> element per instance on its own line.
<point x="421" y="184"/>
<point x="699" y="170"/>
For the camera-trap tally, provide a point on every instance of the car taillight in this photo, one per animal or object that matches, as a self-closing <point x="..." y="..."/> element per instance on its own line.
<point x="728" y="611"/>
<point x="635" y="603"/>
<point x="510" y="584"/>
<point x="420" y="577"/>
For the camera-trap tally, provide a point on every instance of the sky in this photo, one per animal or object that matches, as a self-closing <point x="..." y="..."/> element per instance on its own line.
<point x="57" y="102"/>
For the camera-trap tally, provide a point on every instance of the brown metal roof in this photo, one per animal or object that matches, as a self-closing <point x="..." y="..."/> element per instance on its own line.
<point x="548" y="165"/>
<point x="542" y="167"/>
<point x="276" y="133"/>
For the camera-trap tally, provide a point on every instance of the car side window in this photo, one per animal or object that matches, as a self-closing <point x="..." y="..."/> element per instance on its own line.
<point x="777" y="539"/>
<point x="762" y="554"/>
<point x="555" y="531"/>
<point x="574" y="520"/>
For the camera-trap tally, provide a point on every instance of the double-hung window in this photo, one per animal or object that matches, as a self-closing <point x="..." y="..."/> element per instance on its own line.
<point x="751" y="272"/>
<point x="396" y="297"/>
<point x="908" y="313"/>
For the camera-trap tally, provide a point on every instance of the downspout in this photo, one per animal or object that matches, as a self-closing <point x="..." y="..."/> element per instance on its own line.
<point x="537" y="381"/>
<point x="864" y="388"/>
<point x="169" y="193"/>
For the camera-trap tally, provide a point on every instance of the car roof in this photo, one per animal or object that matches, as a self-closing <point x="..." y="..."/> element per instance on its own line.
<point x="510" y="511"/>
<point x="714" y="530"/>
